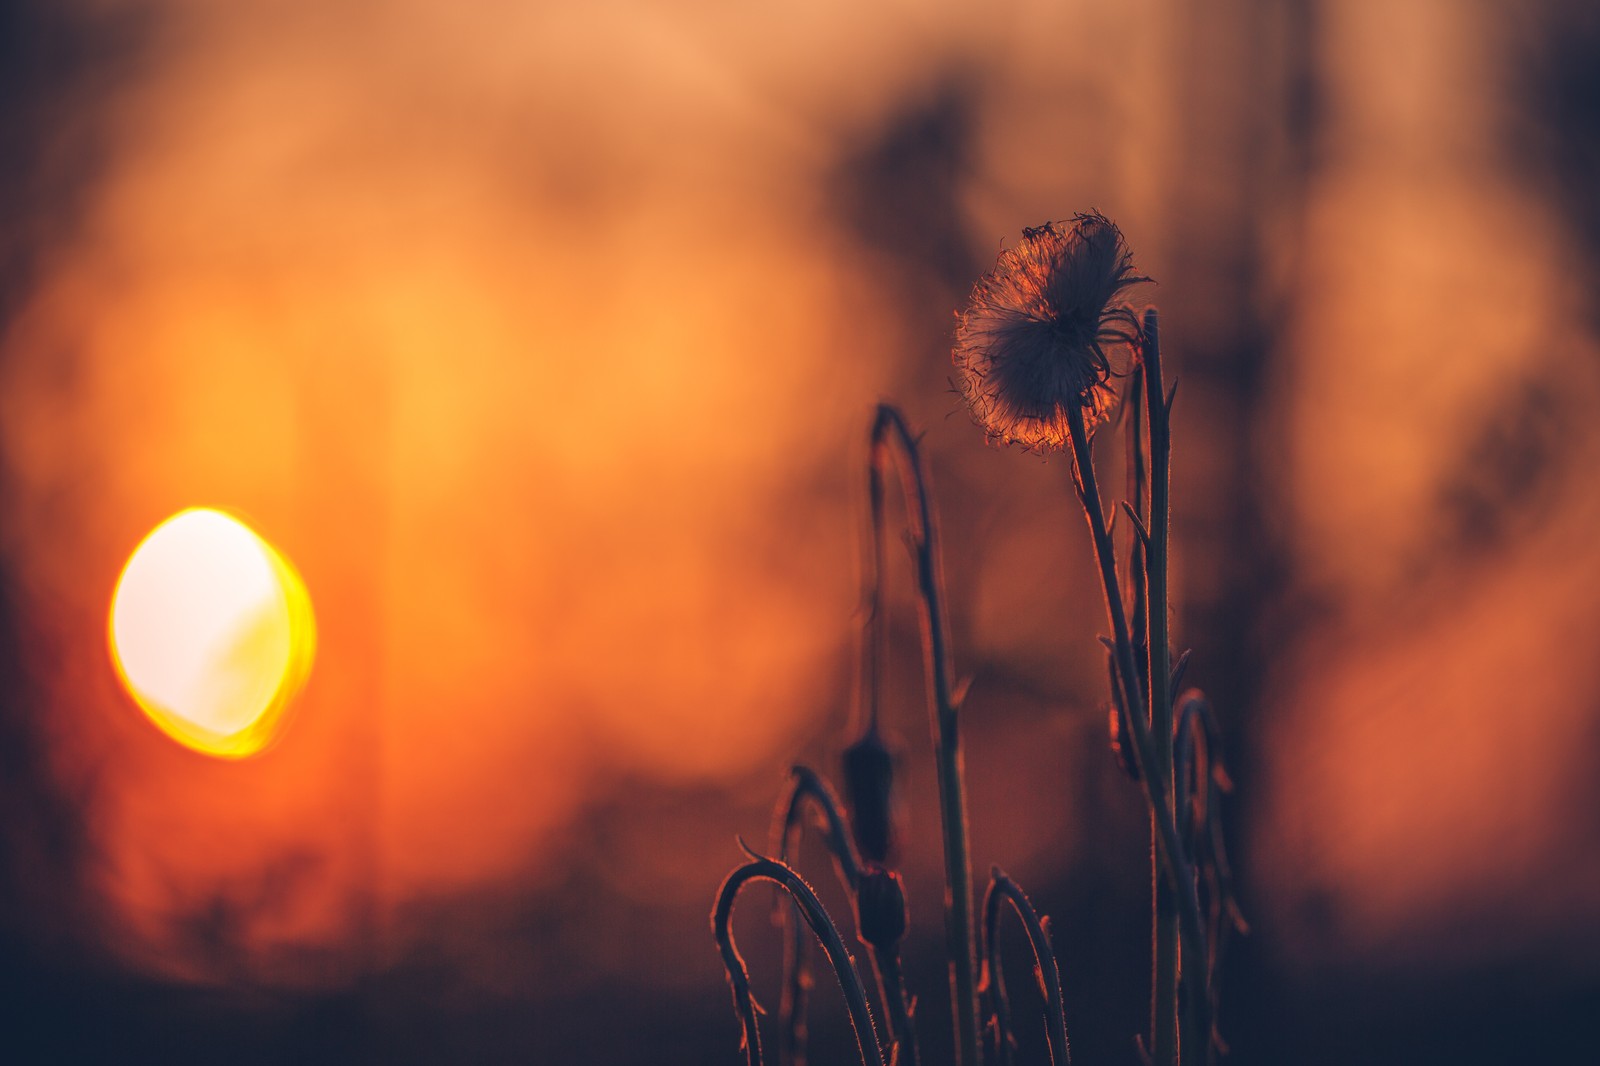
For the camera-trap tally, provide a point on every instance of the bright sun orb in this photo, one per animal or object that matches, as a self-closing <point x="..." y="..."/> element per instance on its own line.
<point x="212" y="633"/>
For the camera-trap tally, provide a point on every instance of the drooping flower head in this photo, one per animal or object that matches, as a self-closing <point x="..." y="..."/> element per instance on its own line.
<point x="1035" y="337"/>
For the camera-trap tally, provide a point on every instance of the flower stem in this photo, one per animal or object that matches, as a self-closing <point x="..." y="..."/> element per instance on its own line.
<point x="1137" y="499"/>
<point x="1105" y="554"/>
<point x="811" y="909"/>
<point x="1003" y="889"/>
<point x="787" y="823"/>
<point x="1164" y="999"/>
<point x="959" y="940"/>
<point x="1169" y="849"/>
<point x="892" y="987"/>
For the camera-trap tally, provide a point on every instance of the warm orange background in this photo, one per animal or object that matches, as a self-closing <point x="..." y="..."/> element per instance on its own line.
<point x="543" y="338"/>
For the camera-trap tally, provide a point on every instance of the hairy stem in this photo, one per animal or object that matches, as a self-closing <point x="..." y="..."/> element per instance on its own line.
<point x="1004" y="890"/>
<point x="892" y="987"/>
<point x="808" y="787"/>
<point x="763" y="869"/>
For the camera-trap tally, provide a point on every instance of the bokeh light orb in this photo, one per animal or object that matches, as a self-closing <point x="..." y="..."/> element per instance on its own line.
<point x="212" y="633"/>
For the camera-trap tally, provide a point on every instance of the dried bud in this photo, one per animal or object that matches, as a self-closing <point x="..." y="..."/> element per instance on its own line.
<point x="1032" y="343"/>
<point x="869" y="792"/>
<point x="881" y="907"/>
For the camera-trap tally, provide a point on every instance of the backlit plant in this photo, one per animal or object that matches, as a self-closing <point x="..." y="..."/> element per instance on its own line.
<point x="1037" y="351"/>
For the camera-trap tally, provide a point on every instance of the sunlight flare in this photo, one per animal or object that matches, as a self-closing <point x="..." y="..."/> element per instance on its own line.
<point x="212" y="633"/>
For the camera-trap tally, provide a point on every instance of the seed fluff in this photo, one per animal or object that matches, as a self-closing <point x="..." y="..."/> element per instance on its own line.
<point x="1036" y="336"/>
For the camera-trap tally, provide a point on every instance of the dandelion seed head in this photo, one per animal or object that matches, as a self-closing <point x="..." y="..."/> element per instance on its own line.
<point x="1037" y="335"/>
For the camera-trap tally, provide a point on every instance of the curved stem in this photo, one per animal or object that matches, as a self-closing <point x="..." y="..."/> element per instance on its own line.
<point x="763" y="869"/>
<point x="889" y="426"/>
<point x="1003" y="889"/>
<point x="808" y="786"/>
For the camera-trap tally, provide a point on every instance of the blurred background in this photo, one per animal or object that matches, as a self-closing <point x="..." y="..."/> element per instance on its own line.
<point x="543" y="338"/>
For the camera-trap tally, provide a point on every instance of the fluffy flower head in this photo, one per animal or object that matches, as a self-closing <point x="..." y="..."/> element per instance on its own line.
<point x="1034" y="340"/>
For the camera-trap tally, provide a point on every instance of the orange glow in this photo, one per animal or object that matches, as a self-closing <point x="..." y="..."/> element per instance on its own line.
<point x="538" y="342"/>
<point x="211" y="633"/>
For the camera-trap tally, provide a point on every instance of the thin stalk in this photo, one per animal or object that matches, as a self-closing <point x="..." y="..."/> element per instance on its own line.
<point x="855" y="996"/>
<point x="877" y="625"/>
<point x="892" y="987"/>
<point x="1133" y="412"/>
<point x="1190" y="759"/>
<point x="1164" y="998"/>
<point x="1137" y="498"/>
<point x="1105" y="554"/>
<point x="1199" y="771"/>
<point x="959" y="940"/>
<point x="1003" y="889"/>
<point x="1169" y="849"/>
<point x="1160" y="526"/>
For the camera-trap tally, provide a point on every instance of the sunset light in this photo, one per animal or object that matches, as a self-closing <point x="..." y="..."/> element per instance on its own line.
<point x="211" y="633"/>
<point x="1093" y="505"/>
